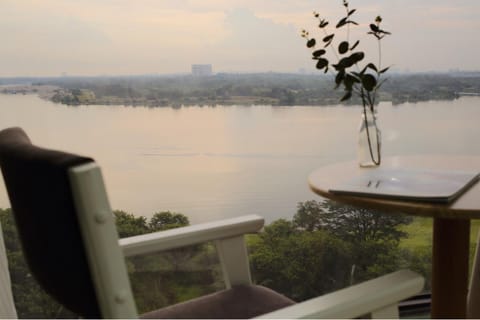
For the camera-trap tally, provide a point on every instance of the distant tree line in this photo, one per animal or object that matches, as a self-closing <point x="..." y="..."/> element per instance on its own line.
<point x="326" y="246"/>
<point x="250" y="89"/>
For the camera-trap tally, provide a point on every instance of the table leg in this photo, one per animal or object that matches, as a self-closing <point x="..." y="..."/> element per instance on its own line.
<point x="451" y="242"/>
<point x="473" y="307"/>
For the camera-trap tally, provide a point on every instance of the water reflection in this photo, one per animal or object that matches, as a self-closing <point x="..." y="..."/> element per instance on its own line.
<point x="218" y="162"/>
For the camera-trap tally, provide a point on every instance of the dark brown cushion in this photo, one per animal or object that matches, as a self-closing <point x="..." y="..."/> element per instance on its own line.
<point x="240" y="302"/>
<point x="38" y="187"/>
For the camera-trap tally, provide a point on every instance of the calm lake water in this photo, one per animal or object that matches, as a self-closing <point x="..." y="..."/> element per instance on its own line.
<point x="217" y="162"/>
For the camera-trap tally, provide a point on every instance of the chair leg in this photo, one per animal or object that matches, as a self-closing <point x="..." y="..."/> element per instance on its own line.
<point x="233" y="258"/>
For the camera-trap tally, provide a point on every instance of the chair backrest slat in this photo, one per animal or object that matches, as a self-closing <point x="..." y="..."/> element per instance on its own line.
<point x="107" y="262"/>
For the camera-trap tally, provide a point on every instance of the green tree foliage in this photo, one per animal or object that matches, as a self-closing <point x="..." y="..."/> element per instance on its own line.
<point x="129" y="225"/>
<point x="10" y="236"/>
<point x="299" y="264"/>
<point x="323" y="248"/>
<point x="310" y="215"/>
<point x="163" y="278"/>
<point x="419" y="259"/>
<point x="373" y="235"/>
<point x="30" y="299"/>
<point x="167" y="220"/>
<point x="350" y="223"/>
<point x="369" y="239"/>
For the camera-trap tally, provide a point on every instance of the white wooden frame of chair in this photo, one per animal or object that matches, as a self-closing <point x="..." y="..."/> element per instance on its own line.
<point x="106" y="259"/>
<point x="378" y="297"/>
<point x="97" y="226"/>
<point x="7" y="305"/>
<point x="227" y="235"/>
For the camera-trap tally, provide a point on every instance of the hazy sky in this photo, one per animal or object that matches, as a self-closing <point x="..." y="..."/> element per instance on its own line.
<point x="114" y="37"/>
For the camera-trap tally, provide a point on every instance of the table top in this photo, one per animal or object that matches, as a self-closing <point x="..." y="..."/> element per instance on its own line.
<point x="467" y="206"/>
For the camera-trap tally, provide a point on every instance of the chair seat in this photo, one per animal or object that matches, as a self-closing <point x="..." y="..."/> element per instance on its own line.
<point x="239" y="302"/>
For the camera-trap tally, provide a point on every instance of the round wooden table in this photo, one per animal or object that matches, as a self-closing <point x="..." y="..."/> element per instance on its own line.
<point x="451" y="228"/>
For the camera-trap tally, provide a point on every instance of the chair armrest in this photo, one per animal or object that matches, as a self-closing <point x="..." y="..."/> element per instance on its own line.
<point x="371" y="297"/>
<point x="185" y="236"/>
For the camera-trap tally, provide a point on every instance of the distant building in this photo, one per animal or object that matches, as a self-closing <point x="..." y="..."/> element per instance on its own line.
<point x="202" y="70"/>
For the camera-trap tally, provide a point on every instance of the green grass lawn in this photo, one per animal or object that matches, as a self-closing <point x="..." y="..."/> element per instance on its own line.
<point x="420" y="233"/>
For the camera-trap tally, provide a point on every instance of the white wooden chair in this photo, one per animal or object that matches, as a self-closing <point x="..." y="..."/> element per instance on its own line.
<point x="82" y="262"/>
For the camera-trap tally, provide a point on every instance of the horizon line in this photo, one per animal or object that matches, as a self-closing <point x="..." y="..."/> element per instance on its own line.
<point x="179" y="74"/>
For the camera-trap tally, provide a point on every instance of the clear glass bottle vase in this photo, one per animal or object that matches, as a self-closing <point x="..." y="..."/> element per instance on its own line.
<point x="369" y="139"/>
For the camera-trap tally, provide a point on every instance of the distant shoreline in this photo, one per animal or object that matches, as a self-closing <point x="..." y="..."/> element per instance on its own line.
<point x="43" y="91"/>
<point x="235" y="89"/>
